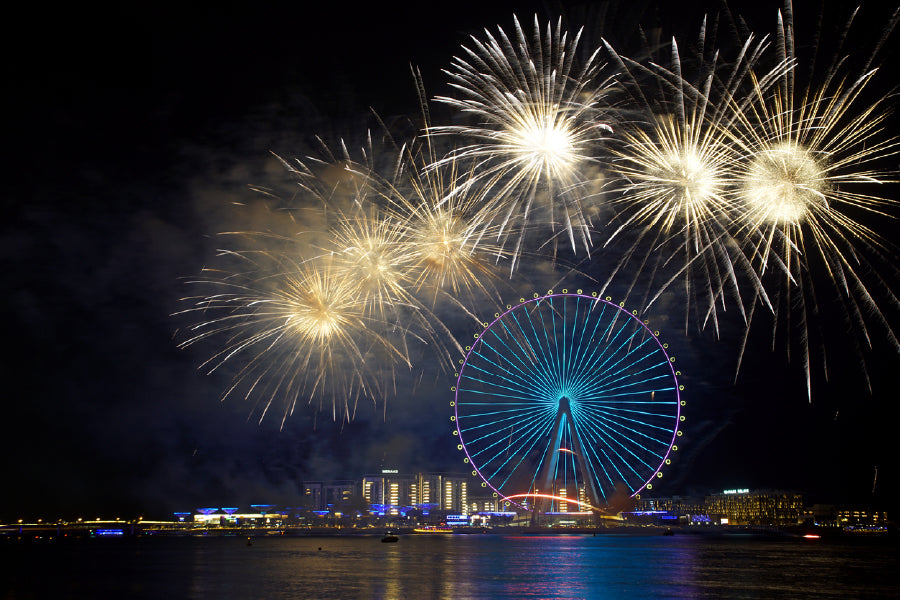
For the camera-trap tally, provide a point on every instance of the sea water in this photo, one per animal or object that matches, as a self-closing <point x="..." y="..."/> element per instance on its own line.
<point x="485" y="566"/>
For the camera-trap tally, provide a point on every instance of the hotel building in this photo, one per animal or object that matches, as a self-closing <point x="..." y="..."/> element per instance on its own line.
<point x="393" y="491"/>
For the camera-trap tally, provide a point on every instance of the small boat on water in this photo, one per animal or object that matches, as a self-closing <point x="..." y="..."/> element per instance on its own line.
<point x="389" y="537"/>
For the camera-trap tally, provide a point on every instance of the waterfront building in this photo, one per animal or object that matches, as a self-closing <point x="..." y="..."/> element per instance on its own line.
<point x="683" y="506"/>
<point x="312" y="495"/>
<point x="757" y="507"/>
<point x="394" y="492"/>
<point x="323" y="496"/>
<point x="486" y="504"/>
<point x="861" y="517"/>
<point x="260" y="515"/>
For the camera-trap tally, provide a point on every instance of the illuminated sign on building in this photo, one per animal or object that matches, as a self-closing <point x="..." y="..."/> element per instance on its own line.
<point x="737" y="491"/>
<point x="390" y="471"/>
<point x="457" y="518"/>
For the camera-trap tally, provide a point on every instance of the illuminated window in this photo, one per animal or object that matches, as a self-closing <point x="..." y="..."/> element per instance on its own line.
<point x="394" y="497"/>
<point x="462" y="495"/>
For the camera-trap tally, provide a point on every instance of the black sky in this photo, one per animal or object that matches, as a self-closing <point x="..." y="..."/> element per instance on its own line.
<point x="129" y="131"/>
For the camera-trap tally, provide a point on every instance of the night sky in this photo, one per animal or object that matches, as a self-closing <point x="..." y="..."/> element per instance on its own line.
<point x="130" y="132"/>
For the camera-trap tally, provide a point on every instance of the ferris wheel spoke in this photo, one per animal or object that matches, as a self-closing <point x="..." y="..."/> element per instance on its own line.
<point x="517" y="457"/>
<point x="519" y="357"/>
<point x="497" y="417"/>
<point x="628" y="400"/>
<point x="535" y="350"/>
<point x="627" y="464"/>
<point x="643" y="413"/>
<point x="625" y="366"/>
<point x="624" y="387"/>
<point x="514" y="379"/>
<point x="596" y="349"/>
<point x="584" y="358"/>
<point x="610" y="462"/>
<point x="654" y="421"/>
<point x="617" y="427"/>
<point x="615" y="436"/>
<point x="524" y="442"/>
<point x="500" y="392"/>
<point x="604" y="420"/>
<point x="550" y="349"/>
<point x="634" y="378"/>
<point x="613" y="433"/>
<point x="605" y="367"/>
<point x="551" y="360"/>
<point x="523" y="358"/>
<point x="492" y="419"/>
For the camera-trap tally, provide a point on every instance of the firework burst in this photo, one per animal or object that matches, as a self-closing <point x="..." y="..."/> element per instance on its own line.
<point x="445" y="227"/>
<point x="814" y="171"/>
<point x="370" y="249"/>
<point x="538" y="123"/>
<point x="297" y="329"/>
<point x="675" y="166"/>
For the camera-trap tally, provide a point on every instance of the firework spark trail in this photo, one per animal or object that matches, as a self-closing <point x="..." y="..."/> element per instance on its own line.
<point x="538" y="123"/>
<point x="813" y="156"/>
<point x="675" y="169"/>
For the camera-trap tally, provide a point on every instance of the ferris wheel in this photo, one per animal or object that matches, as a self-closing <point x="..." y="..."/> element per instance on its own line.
<point x="567" y="402"/>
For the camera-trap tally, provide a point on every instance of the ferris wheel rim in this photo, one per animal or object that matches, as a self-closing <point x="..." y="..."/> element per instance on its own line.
<point x="595" y="298"/>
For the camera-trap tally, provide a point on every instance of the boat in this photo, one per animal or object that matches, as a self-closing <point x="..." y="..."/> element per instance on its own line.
<point x="433" y="529"/>
<point x="389" y="537"/>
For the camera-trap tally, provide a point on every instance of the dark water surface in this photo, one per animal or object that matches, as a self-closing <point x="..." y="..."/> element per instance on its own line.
<point x="457" y="566"/>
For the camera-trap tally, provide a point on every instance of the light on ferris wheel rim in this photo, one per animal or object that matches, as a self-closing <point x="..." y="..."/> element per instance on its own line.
<point x="641" y="327"/>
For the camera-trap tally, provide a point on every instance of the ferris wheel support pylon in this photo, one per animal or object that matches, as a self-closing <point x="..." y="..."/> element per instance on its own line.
<point x="551" y="462"/>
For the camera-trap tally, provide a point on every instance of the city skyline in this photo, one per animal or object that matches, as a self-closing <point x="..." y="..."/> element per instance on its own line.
<point x="135" y="147"/>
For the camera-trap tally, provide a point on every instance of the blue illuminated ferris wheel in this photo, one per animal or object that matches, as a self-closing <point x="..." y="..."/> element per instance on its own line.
<point x="567" y="402"/>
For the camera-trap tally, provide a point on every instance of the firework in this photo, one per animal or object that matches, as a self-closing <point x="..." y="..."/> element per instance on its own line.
<point x="814" y="169"/>
<point x="675" y="168"/>
<point x="318" y="312"/>
<point x="370" y="249"/>
<point x="538" y="122"/>
<point x="445" y="228"/>
<point x="297" y="331"/>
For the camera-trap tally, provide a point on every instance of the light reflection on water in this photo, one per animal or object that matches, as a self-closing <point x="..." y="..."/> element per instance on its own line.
<point x="458" y="567"/>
